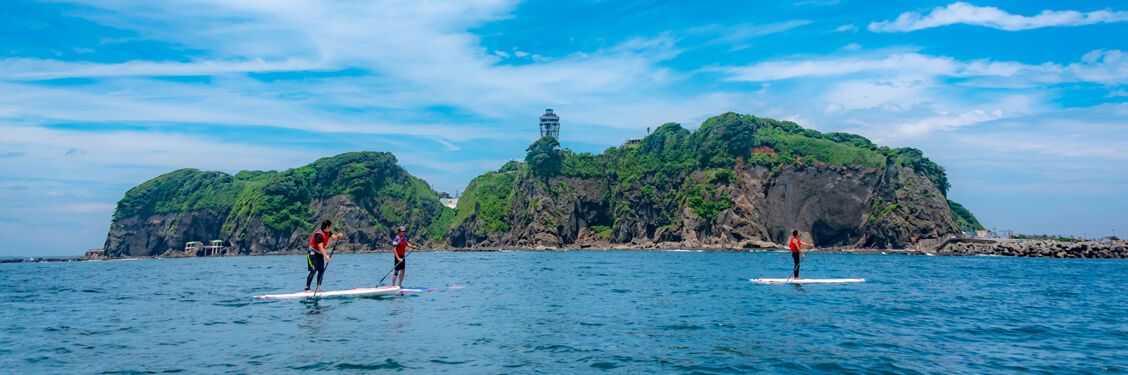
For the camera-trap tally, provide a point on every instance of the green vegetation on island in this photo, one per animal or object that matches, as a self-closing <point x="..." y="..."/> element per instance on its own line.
<point x="284" y="202"/>
<point x="652" y="185"/>
<point x="673" y="166"/>
<point x="964" y="219"/>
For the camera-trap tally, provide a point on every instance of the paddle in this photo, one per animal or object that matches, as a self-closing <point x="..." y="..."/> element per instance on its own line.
<point x="393" y="268"/>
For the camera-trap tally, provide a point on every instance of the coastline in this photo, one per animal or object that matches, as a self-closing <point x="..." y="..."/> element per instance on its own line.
<point x="1023" y="249"/>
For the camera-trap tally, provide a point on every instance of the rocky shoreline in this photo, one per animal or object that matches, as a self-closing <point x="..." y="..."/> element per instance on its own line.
<point x="1026" y="249"/>
<point x="1039" y="249"/>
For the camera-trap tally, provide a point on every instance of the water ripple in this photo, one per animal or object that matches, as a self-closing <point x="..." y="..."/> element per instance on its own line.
<point x="570" y="312"/>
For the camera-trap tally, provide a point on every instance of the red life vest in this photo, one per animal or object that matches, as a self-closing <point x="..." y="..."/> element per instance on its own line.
<point x="795" y="244"/>
<point x="313" y="240"/>
<point x="401" y="245"/>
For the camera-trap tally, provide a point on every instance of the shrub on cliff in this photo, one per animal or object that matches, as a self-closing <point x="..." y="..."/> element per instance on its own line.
<point x="544" y="157"/>
<point x="187" y="190"/>
<point x="964" y="219"/>
<point x="284" y="201"/>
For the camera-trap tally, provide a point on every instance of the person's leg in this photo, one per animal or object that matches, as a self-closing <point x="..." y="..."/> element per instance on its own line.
<point x="401" y="278"/>
<point x="795" y="257"/>
<point x="319" y="267"/>
<point x="320" y="275"/>
<point x="309" y="279"/>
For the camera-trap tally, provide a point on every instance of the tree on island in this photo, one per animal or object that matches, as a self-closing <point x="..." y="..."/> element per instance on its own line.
<point x="545" y="157"/>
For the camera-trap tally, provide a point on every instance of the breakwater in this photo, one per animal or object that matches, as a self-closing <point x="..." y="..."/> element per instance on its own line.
<point x="1042" y="249"/>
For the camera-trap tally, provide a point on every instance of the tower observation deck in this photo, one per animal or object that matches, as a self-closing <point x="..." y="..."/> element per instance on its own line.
<point x="550" y="124"/>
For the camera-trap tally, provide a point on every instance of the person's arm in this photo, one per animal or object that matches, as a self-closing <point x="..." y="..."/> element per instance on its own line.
<point x="321" y="249"/>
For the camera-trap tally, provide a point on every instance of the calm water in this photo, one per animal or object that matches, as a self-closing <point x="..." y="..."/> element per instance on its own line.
<point x="570" y="312"/>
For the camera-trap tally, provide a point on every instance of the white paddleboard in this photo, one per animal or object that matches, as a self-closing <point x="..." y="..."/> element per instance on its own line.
<point x="355" y="292"/>
<point x="806" y="281"/>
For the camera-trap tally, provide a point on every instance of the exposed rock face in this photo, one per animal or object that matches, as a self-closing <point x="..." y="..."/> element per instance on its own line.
<point x="830" y="205"/>
<point x="362" y="231"/>
<point x="365" y="194"/>
<point x="156" y="234"/>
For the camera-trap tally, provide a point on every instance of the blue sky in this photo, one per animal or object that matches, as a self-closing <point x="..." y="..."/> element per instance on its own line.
<point x="1024" y="102"/>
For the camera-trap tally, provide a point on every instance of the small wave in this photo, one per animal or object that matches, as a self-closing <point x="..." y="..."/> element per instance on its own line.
<point x="388" y="364"/>
<point x="683" y="327"/>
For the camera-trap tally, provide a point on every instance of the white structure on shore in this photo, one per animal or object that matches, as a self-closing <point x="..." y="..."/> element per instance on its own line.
<point x="450" y="202"/>
<point x="550" y="124"/>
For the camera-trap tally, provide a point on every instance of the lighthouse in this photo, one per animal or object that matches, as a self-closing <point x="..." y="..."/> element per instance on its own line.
<point x="550" y="124"/>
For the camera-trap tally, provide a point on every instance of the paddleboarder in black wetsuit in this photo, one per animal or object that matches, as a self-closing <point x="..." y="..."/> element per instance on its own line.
<point x="316" y="256"/>
<point x="797" y="250"/>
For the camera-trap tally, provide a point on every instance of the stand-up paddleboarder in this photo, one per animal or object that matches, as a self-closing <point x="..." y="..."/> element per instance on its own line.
<point x="797" y="251"/>
<point x="316" y="257"/>
<point x="400" y="242"/>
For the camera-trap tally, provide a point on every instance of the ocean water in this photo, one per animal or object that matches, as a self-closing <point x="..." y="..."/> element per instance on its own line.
<point x="570" y="312"/>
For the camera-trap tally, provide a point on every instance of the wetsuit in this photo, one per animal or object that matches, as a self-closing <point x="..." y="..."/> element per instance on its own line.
<point x="315" y="259"/>
<point x="796" y="245"/>
<point x="401" y="246"/>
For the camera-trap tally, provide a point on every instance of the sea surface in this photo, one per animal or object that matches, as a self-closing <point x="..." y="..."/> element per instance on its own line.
<point x="570" y="312"/>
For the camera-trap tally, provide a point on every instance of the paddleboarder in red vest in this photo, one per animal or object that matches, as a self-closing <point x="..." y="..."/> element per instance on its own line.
<point x="316" y="257"/>
<point x="797" y="250"/>
<point x="400" y="242"/>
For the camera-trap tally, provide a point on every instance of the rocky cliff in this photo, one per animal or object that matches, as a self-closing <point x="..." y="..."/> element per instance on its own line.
<point x="364" y="193"/>
<point x="738" y="182"/>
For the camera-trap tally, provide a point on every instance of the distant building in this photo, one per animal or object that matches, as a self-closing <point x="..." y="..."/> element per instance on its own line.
<point x="632" y="141"/>
<point x="193" y="247"/>
<point x="214" y="248"/>
<point x="550" y="124"/>
<point x="446" y="199"/>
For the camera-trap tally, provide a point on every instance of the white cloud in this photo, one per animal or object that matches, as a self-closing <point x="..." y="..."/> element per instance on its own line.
<point x="738" y="36"/>
<point x="852" y="47"/>
<point x="520" y="54"/>
<point x="503" y="54"/>
<point x="420" y="56"/>
<point x="38" y="69"/>
<point x="788" y="69"/>
<point x="844" y="28"/>
<point x="1103" y="67"/>
<point x="44" y="158"/>
<point x="961" y="12"/>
